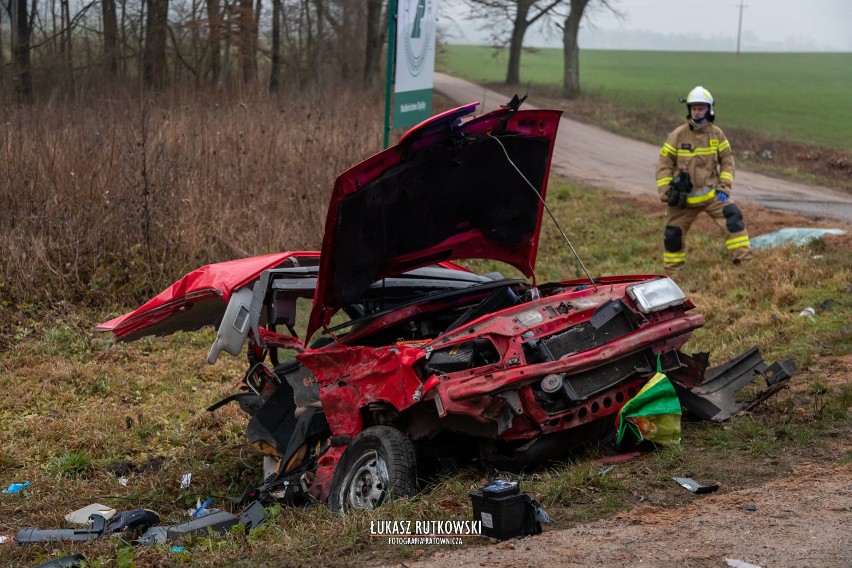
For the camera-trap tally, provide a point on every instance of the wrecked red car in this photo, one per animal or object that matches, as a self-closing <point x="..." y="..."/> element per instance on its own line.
<point x="408" y="363"/>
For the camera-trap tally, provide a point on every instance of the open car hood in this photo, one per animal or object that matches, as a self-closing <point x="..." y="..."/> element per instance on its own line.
<point x="199" y="299"/>
<point x="450" y="189"/>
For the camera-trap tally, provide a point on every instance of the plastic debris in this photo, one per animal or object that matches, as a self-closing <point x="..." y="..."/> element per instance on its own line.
<point x="70" y="561"/>
<point x="791" y="236"/>
<point x="16" y="487"/>
<point x="219" y="522"/>
<point x="123" y="481"/>
<point x="500" y="487"/>
<point x="540" y="514"/>
<point x="35" y="535"/>
<point x="748" y="507"/>
<point x="81" y="516"/>
<point x="185" y="480"/>
<point x="734" y="563"/>
<point x="694" y="486"/>
<point x="201" y="509"/>
<point x="4" y="538"/>
<point x="135" y="519"/>
<point x="177" y="549"/>
<point x="618" y="458"/>
<point x="808" y="313"/>
<point x="253" y="516"/>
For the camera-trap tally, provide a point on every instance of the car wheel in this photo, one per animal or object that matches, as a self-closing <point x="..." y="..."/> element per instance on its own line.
<point x="378" y="465"/>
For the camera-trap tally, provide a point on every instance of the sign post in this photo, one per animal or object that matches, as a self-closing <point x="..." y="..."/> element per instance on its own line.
<point x="389" y="67"/>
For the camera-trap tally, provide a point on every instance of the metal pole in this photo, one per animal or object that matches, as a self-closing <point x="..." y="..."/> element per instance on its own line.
<point x="389" y="74"/>
<point x="740" y="29"/>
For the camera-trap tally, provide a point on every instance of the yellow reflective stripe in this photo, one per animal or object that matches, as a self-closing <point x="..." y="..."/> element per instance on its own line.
<point x="738" y="242"/>
<point x="683" y="153"/>
<point x="664" y="181"/>
<point x="727" y="176"/>
<point x="724" y="145"/>
<point x="674" y="257"/>
<point x="668" y="150"/>
<point x="701" y="198"/>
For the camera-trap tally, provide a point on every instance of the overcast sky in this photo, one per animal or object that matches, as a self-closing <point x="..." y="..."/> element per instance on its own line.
<point x="694" y="25"/>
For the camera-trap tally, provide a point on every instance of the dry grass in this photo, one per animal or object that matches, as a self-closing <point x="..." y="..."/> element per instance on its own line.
<point x="73" y="406"/>
<point x="112" y="199"/>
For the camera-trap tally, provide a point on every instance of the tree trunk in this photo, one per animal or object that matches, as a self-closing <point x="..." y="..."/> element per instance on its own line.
<point x="571" y="51"/>
<point x="315" y="47"/>
<point x="2" y="58"/>
<point x="519" y="29"/>
<point x="65" y="42"/>
<point x="275" y="72"/>
<point x="110" y="35"/>
<point x="246" y="25"/>
<point x="373" y="50"/>
<point x="154" y="67"/>
<point x="214" y="24"/>
<point x="21" y="49"/>
<point x="125" y="40"/>
<point x="255" y="37"/>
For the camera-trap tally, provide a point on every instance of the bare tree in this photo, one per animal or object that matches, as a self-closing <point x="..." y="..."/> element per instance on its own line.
<point x="571" y="50"/>
<point x="570" y="47"/>
<point x="160" y="42"/>
<point x="374" y="41"/>
<point x="522" y="14"/>
<point x="245" y="21"/>
<point x="65" y="33"/>
<point x="110" y="22"/>
<point x="214" y="39"/>
<point x="21" y="48"/>
<point x="154" y="65"/>
<point x="275" y="72"/>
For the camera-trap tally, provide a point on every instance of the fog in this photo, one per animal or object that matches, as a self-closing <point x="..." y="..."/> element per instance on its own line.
<point x="685" y="25"/>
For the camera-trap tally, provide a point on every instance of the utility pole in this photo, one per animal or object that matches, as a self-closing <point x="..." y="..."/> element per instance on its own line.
<point x="740" y="29"/>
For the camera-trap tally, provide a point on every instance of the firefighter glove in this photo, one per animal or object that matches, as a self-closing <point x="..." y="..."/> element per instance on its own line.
<point x="681" y="185"/>
<point x="672" y="197"/>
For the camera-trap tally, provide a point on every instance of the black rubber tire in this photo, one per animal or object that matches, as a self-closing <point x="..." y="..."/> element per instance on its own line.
<point x="379" y="464"/>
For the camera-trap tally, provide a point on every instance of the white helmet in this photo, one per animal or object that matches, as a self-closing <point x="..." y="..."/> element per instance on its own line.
<point x="700" y="95"/>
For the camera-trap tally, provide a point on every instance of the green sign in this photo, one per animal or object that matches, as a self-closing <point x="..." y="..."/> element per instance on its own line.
<point x="415" y="61"/>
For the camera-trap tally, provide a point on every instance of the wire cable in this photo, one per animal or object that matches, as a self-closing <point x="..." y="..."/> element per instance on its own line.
<point x="549" y="212"/>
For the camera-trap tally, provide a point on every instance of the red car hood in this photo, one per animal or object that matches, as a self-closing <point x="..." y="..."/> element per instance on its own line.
<point x="450" y="189"/>
<point x="199" y="298"/>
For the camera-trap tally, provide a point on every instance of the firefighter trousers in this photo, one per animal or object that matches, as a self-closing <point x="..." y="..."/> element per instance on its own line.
<point x="726" y="214"/>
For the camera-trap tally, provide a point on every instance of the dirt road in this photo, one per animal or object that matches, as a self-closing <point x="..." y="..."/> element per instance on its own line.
<point x="593" y="156"/>
<point x="798" y="521"/>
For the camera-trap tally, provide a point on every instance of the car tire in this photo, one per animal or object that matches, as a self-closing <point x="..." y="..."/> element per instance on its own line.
<point x="379" y="464"/>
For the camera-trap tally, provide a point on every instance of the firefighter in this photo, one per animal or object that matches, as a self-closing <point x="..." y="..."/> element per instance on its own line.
<point x="695" y="173"/>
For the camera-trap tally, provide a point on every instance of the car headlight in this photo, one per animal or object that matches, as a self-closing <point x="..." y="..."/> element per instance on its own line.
<point x="656" y="295"/>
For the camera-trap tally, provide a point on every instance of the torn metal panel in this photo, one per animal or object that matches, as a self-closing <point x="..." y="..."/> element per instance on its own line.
<point x="96" y="530"/>
<point x="714" y="397"/>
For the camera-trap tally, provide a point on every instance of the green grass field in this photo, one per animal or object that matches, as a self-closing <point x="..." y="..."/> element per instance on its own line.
<point x="805" y="97"/>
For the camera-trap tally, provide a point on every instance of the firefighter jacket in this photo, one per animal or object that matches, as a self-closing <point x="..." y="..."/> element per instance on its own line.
<point x="705" y="153"/>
